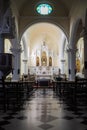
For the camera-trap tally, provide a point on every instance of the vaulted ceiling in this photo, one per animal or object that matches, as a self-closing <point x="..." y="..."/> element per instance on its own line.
<point x="27" y="7"/>
<point x="61" y="16"/>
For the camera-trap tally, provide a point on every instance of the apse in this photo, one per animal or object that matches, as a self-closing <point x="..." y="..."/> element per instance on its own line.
<point x="43" y="45"/>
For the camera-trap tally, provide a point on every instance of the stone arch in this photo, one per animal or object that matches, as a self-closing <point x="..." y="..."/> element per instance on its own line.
<point x="76" y="29"/>
<point x="49" y="22"/>
<point x="53" y="23"/>
<point x="86" y="17"/>
<point x="44" y="21"/>
<point x="75" y="32"/>
<point x="62" y="39"/>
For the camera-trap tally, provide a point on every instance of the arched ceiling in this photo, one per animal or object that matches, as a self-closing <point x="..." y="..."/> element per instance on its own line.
<point x="47" y="33"/>
<point x="26" y="12"/>
<point x="26" y="7"/>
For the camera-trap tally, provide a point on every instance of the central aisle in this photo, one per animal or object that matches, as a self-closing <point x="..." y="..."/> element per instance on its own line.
<point x="44" y="111"/>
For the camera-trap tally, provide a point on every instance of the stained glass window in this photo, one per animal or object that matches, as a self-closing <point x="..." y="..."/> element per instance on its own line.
<point x="44" y="9"/>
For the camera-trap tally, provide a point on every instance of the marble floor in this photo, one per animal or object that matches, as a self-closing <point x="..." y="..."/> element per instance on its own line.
<point x="44" y="110"/>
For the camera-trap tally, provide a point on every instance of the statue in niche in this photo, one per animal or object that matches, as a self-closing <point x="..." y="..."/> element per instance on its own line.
<point x="37" y="61"/>
<point x="78" y="65"/>
<point x="44" y="59"/>
<point x="50" y="61"/>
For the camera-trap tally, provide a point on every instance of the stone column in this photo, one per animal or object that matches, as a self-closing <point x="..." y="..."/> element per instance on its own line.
<point x="71" y="63"/>
<point x="62" y="66"/>
<point x="1" y="44"/>
<point x="25" y="66"/>
<point x="1" y="51"/>
<point x="69" y="69"/>
<point x="16" y="63"/>
<point x="25" y="74"/>
<point x="85" y="51"/>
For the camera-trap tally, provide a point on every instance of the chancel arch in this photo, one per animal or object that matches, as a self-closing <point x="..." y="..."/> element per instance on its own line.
<point x="45" y="43"/>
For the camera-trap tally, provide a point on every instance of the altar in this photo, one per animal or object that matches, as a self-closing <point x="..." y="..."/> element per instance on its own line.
<point x="44" y="82"/>
<point x="43" y="65"/>
<point x="44" y="72"/>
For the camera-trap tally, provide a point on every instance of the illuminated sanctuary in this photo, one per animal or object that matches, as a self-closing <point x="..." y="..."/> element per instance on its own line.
<point x="43" y="64"/>
<point x="43" y="47"/>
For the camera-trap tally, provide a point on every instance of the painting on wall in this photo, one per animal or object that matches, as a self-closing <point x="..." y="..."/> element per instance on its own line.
<point x="50" y="61"/>
<point x="44" y="59"/>
<point x="37" y="61"/>
<point x="78" y="65"/>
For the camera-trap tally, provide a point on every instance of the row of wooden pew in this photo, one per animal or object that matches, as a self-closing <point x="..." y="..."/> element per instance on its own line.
<point x="71" y="89"/>
<point x="13" y="94"/>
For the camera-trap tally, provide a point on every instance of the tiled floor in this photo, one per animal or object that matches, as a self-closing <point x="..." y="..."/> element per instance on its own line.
<point x="44" y="111"/>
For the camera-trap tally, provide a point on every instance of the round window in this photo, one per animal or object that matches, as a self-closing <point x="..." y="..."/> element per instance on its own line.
<point x="44" y="9"/>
